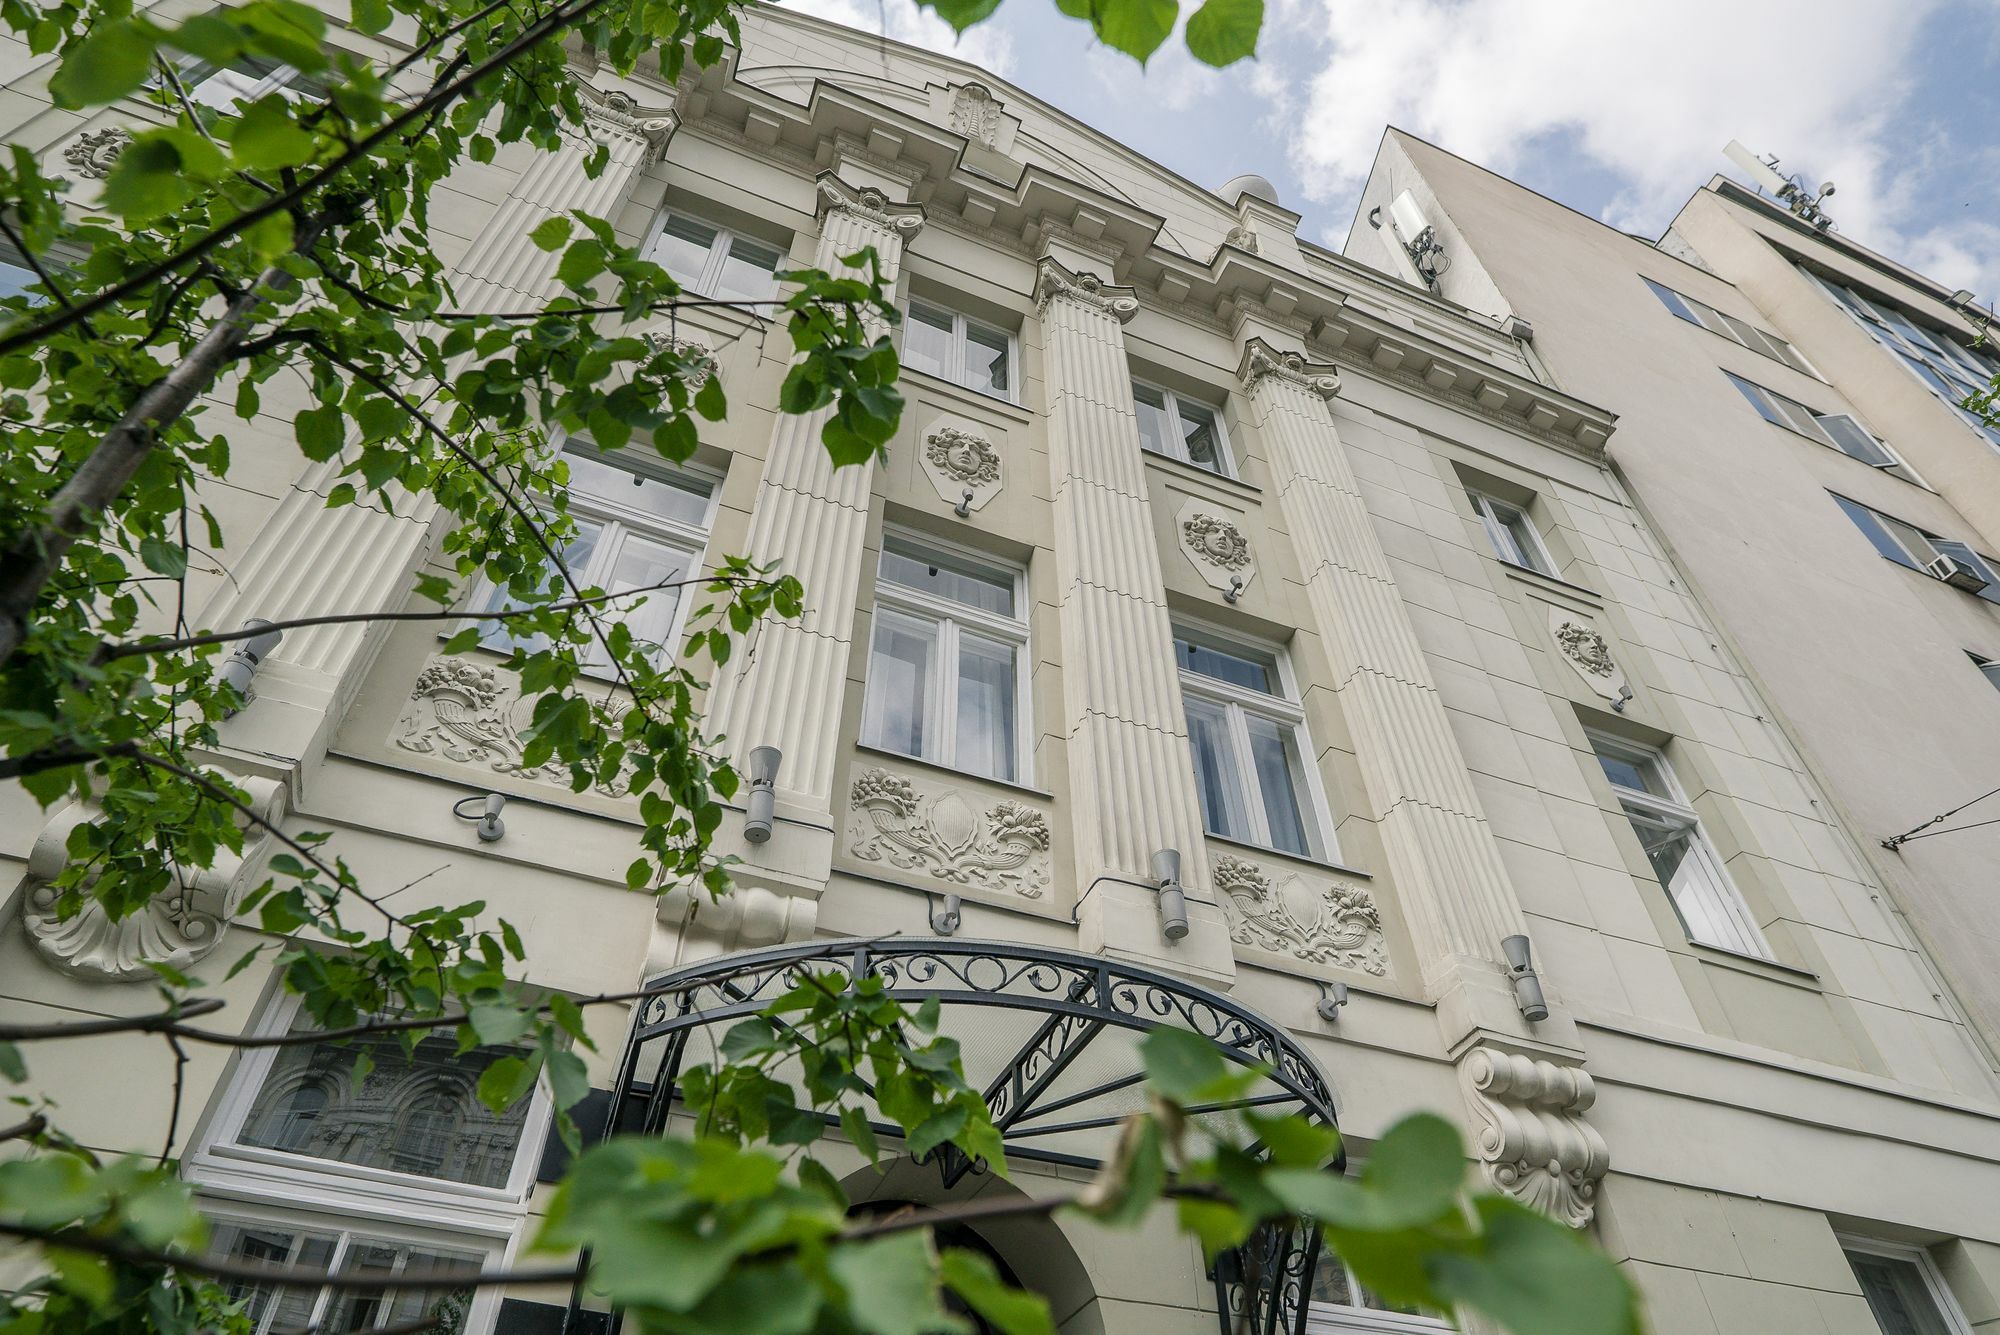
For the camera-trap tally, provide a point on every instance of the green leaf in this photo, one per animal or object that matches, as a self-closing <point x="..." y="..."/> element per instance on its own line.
<point x="855" y="1123"/>
<point x="158" y="172"/>
<point x="1222" y="32"/>
<point x="583" y="261"/>
<point x="111" y="62"/>
<point x="320" y="431"/>
<point x="936" y="1129"/>
<point x="1136" y="27"/>
<point x="1537" y="1277"/>
<point x="650" y="1263"/>
<point x="11" y="1064"/>
<point x="506" y="1080"/>
<point x="551" y="234"/>
<point x="1413" y="1178"/>
<point x="163" y="557"/>
<point x="962" y="14"/>
<point x="268" y="138"/>
<point x="370" y="15"/>
<point x="891" y="1284"/>
<point x="1182" y="1064"/>
<point x="497" y="1023"/>
<point x="1008" y="1310"/>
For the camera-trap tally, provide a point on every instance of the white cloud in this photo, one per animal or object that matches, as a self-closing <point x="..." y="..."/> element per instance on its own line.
<point x="1646" y="91"/>
<point x="986" y="45"/>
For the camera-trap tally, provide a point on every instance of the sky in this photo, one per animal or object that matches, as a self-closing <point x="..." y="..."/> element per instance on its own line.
<point x="1618" y="109"/>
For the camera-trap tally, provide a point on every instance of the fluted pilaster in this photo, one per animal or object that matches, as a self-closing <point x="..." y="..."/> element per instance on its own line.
<point x="308" y="560"/>
<point x="812" y="518"/>
<point x="1131" y="783"/>
<point x="1454" y="888"/>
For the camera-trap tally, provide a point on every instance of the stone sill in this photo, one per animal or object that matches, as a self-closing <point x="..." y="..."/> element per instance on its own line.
<point x="1756" y="966"/>
<point x="1027" y="790"/>
<point x="1316" y="864"/>
<point x="977" y="398"/>
<point x="1182" y="471"/>
<point x="1551" y="584"/>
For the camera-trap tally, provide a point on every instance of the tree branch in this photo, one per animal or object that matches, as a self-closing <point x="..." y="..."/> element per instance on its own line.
<point x="34" y="1126"/>
<point x="159" y="1022"/>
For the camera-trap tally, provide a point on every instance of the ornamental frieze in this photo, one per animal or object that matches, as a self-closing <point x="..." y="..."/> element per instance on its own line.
<point x="1326" y="923"/>
<point x="1003" y="847"/>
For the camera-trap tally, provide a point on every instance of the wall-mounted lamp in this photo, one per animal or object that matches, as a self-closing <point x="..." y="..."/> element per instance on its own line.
<point x="763" y="800"/>
<point x="1624" y="698"/>
<point x="964" y="507"/>
<point x="946" y="914"/>
<point x="1173" y="901"/>
<point x="1235" y="589"/>
<point x="1332" y="996"/>
<point x="1519" y="330"/>
<point x="1527" y="987"/>
<point x="240" y="667"/>
<point x="490" y="827"/>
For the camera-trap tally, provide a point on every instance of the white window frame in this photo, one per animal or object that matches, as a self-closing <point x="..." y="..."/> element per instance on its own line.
<point x="1537" y="561"/>
<point x="1941" y="1295"/>
<point x="689" y="539"/>
<point x="951" y="619"/>
<point x="306" y="1216"/>
<point x="1225" y="454"/>
<point x="224" y="1167"/>
<point x="954" y="368"/>
<point x="1239" y="703"/>
<point x="1673" y="808"/>
<point x="704" y="283"/>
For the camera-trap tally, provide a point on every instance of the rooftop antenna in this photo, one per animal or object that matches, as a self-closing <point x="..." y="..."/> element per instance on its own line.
<point x="1791" y="191"/>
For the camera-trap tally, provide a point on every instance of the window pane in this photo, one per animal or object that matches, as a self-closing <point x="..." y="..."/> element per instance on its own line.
<point x="747" y="269"/>
<point x="1849" y="436"/>
<point x="1672" y="301"/>
<point x="927" y="339"/>
<point x="1709" y="906"/>
<point x="900" y="692"/>
<point x="1897" y="1295"/>
<point x="1913" y="539"/>
<point x="1274" y="756"/>
<point x="986" y="367"/>
<point x="682" y="248"/>
<point x="642" y="563"/>
<point x="1759" y="400"/>
<point x="986" y="680"/>
<point x="308" y="1104"/>
<point x="1878" y="537"/>
<point x="1236" y="667"/>
<point x="576" y="556"/>
<point x="287" y="1308"/>
<point x="357" y="1311"/>
<point x="1521" y="534"/>
<point x="1625" y="773"/>
<point x="681" y="499"/>
<point x="955" y="578"/>
<point x="1217" y="776"/>
<point x="1201" y="435"/>
<point x="1155" y="423"/>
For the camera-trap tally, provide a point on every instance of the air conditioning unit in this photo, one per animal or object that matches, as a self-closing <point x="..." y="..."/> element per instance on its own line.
<point x="1960" y="568"/>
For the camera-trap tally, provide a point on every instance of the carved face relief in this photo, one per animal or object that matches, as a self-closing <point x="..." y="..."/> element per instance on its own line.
<point x="1588" y="653"/>
<point x="1320" y="924"/>
<point x="958" y="456"/>
<point x="1216" y="547"/>
<point x="94" y="153"/>
<point x="1004" y="847"/>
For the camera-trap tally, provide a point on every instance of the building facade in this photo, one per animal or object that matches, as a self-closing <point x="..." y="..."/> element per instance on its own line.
<point x="1204" y="555"/>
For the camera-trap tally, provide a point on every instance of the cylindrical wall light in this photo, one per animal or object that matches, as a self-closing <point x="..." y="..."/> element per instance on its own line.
<point x="1527" y="987"/>
<point x="240" y="667"/>
<point x="762" y="803"/>
<point x="1173" y="902"/>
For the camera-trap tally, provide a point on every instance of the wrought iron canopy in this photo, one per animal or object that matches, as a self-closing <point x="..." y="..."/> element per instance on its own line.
<point x="1050" y="1036"/>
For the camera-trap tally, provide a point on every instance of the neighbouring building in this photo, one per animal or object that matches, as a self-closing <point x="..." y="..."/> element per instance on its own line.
<point x="1205" y="556"/>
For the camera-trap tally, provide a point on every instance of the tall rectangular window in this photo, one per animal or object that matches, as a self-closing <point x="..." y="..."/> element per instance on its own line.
<point x="1252" y="756"/>
<point x="960" y="349"/>
<point x="1710" y="909"/>
<point x="635" y="530"/>
<point x="1181" y="428"/>
<point x="715" y="261"/>
<point x="1512" y="534"/>
<point x="272" y="1310"/>
<point x="947" y="661"/>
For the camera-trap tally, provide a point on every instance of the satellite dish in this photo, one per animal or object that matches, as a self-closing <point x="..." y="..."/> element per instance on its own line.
<point x="1758" y="170"/>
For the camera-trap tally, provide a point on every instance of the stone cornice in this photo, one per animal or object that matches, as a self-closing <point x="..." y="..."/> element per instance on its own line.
<point x="1054" y="282"/>
<point x="1262" y="361"/>
<point x="835" y="195"/>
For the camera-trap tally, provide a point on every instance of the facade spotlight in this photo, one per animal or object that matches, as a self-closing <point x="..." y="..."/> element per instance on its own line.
<point x="946" y="914"/>
<point x="1173" y="901"/>
<point x="490" y="827"/>
<point x="241" y="667"/>
<point x="1332" y="996"/>
<point x="763" y="800"/>
<point x="1527" y="987"/>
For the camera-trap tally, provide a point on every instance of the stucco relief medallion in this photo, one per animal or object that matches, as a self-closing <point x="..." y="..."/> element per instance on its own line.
<point x="958" y="457"/>
<point x="1241" y="237"/>
<point x="471" y="713"/>
<point x="178" y="927"/>
<point x="93" y="154"/>
<point x="1532" y="1137"/>
<point x="1287" y="915"/>
<point x="975" y="113"/>
<point x="1584" y="647"/>
<point x="1216" y="547"/>
<point x="1004" y="847"/>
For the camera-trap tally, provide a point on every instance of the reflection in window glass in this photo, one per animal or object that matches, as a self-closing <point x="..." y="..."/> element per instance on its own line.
<point x="958" y="348"/>
<point x="1247" y="742"/>
<point x="271" y="1310"/>
<point x="1899" y="1298"/>
<point x="1180" y="428"/>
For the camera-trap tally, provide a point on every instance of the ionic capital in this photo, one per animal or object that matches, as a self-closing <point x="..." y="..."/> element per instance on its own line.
<point x="869" y="204"/>
<point x="1053" y="282"/>
<point x="1261" y="360"/>
<point x="618" y="112"/>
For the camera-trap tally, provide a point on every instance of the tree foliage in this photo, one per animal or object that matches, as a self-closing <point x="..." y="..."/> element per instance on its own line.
<point x="275" y="260"/>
